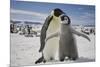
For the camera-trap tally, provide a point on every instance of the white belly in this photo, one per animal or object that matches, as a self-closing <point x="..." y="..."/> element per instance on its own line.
<point x="52" y="45"/>
<point x="51" y="48"/>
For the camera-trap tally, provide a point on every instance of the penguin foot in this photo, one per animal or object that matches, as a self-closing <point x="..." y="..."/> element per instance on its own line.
<point x="51" y="58"/>
<point x="39" y="60"/>
<point x="44" y="61"/>
<point x="36" y="62"/>
<point x="73" y="58"/>
<point x="61" y="60"/>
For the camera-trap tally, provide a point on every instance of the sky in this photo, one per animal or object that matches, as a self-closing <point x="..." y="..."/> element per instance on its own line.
<point x="38" y="11"/>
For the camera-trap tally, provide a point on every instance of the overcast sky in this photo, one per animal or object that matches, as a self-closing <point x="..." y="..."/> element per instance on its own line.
<point x="36" y="11"/>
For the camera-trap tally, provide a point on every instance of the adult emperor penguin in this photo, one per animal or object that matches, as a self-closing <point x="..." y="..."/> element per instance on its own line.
<point x="67" y="45"/>
<point x="50" y="47"/>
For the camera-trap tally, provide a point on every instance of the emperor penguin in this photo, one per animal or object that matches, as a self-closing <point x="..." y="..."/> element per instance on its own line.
<point x="50" y="47"/>
<point x="67" y="45"/>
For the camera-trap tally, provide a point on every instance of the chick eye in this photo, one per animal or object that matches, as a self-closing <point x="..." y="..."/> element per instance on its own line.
<point x="65" y="18"/>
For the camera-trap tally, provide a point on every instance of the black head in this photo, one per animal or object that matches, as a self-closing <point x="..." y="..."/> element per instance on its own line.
<point x="65" y="19"/>
<point x="58" y="12"/>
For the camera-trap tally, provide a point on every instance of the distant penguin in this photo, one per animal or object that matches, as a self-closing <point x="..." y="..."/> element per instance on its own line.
<point x="67" y="45"/>
<point x="50" y="47"/>
<point x="12" y="28"/>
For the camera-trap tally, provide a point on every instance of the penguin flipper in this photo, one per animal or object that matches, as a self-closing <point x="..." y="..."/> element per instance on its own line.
<point x="80" y="34"/>
<point x="43" y="32"/>
<point x="56" y="34"/>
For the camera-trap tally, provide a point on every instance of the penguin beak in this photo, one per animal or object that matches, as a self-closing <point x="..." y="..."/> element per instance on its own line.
<point x="52" y="13"/>
<point x="64" y="22"/>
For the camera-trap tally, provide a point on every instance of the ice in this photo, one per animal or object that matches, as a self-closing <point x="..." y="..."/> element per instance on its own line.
<point x="24" y="50"/>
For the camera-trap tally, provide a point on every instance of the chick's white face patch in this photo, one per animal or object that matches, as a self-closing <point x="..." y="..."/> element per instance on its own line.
<point x="64" y="19"/>
<point x="64" y="22"/>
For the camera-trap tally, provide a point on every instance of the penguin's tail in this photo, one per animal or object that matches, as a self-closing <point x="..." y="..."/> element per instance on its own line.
<point x="40" y="60"/>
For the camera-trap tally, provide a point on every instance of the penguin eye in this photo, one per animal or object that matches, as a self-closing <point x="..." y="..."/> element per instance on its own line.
<point x="65" y="18"/>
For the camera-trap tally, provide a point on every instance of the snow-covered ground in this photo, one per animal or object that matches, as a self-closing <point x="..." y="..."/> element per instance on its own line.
<point x="24" y="50"/>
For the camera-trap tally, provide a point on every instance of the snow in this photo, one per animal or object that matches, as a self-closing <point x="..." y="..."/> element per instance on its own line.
<point x="24" y="50"/>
